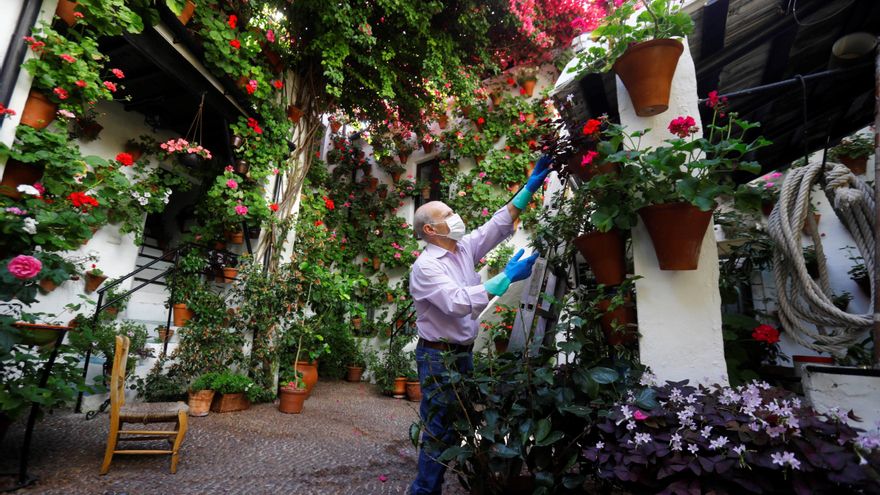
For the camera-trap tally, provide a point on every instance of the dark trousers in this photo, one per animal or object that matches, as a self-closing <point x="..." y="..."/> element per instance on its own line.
<point x="433" y="413"/>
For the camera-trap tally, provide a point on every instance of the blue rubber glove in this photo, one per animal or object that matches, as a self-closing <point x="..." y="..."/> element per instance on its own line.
<point x="515" y="270"/>
<point x="536" y="180"/>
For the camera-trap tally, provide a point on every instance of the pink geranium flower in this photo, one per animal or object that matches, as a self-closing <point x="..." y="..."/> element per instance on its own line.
<point x="241" y="209"/>
<point x="232" y="184"/>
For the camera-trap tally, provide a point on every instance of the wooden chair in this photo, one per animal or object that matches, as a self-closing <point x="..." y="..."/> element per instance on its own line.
<point x="154" y="412"/>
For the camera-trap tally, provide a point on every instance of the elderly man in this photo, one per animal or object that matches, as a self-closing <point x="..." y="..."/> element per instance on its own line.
<point x="449" y="297"/>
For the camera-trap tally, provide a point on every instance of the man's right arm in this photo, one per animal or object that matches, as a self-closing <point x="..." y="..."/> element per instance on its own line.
<point x="430" y="283"/>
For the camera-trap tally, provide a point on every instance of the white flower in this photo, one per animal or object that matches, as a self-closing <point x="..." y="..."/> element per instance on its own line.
<point x="648" y="379"/>
<point x="693" y="448"/>
<point x="643" y="438"/>
<point x="784" y="458"/>
<point x="143" y="201"/>
<point x="30" y="190"/>
<point x="706" y="431"/>
<point x="30" y="226"/>
<point x="147" y="194"/>
<point x="718" y="443"/>
<point x="78" y="178"/>
<point x="739" y="449"/>
<point x="630" y="425"/>
<point x="600" y="445"/>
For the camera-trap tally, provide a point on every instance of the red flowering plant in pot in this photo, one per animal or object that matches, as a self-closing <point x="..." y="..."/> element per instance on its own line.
<point x="749" y="346"/>
<point x="679" y="183"/>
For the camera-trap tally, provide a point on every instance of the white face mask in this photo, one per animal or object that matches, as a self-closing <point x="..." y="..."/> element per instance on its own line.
<point x="456" y="228"/>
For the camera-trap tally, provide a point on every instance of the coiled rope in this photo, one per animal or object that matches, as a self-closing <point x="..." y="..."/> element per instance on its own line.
<point x="803" y="301"/>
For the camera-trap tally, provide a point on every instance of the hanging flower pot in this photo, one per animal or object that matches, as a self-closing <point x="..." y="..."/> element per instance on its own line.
<point x="181" y="315"/>
<point x="310" y="374"/>
<point x="426" y="192"/>
<point x="165" y="334"/>
<point x="395" y="176"/>
<point x="292" y="400"/>
<point x="235" y="237"/>
<point x="242" y="167"/>
<point x="427" y="147"/>
<point x="355" y="373"/>
<point x="190" y="160"/>
<point x="443" y="121"/>
<point x="88" y="129"/>
<point x="356" y="322"/>
<point x="372" y="184"/>
<point x="200" y="402"/>
<point x="335" y="126"/>
<point x="65" y="11"/>
<point x="646" y="70"/>
<point x="858" y="166"/>
<point x="47" y="285"/>
<point x="16" y="174"/>
<point x="528" y="87"/>
<point x="497" y="97"/>
<point x="294" y="113"/>
<point x="93" y="282"/>
<point x="413" y="391"/>
<point x="403" y="157"/>
<point x="399" y="390"/>
<point x="39" y="111"/>
<point x="622" y="318"/>
<point x="677" y="231"/>
<point x="808" y="229"/>
<point x="604" y="252"/>
<point x="376" y="262"/>
<point x="230" y="274"/>
<point x="186" y="14"/>
<point x="237" y="141"/>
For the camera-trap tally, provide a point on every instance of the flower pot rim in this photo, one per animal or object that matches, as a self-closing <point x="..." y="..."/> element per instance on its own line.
<point x="671" y="205"/>
<point x="293" y="390"/>
<point x="649" y="44"/>
<point x="40" y="326"/>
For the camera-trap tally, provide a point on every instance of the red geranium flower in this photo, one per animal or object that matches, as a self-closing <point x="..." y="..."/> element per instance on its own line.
<point x="110" y="85"/>
<point x="278" y="84"/>
<point x="80" y="83"/>
<point x="273" y="206"/>
<point x="683" y="126"/>
<point x="318" y="223"/>
<point x="61" y="93"/>
<point x="235" y="44"/>
<point x="125" y="159"/>
<point x="82" y="200"/>
<point x="233" y="21"/>
<point x="328" y="203"/>
<point x="766" y="333"/>
<point x="481" y="120"/>
<point x="591" y="127"/>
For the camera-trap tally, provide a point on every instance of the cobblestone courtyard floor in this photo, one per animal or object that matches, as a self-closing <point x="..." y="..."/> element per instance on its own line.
<point x="346" y="441"/>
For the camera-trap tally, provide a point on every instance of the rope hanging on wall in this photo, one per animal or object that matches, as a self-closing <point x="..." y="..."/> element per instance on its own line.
<point x="803" y="301"/>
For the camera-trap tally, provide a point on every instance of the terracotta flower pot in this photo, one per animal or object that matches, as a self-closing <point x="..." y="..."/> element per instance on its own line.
<point x="646" y="70"/>
<point x="497" y="97"/>
<point x="229" y="273"/>
<point x="47" y="285"/>
<point x="413" y="390"/>
<point x="443" y="121"/>
<point x="529" y="87"/>
<point x="354" y="374"/>
<point x="200" y="402"/>
<point x="604" y="252"/>
<point x="294" y="113"/>
<point x="310" y="374"/>
<point x="376" y="263"/>
<point x="39" y="111"/>
<point x="383" y="193"/>
<point x="242" y="167"/>
<point x="165" y="334"/>
<point x="356" y="322"/>
<point x="426" y="192"/>
<point x="372" y="184"/>
<point x="399" y="390"/>
<point x="181" y="315"/>
<point x="188" y="10"/>
<point x="501" y="345"/>
<point x="93" y="282"/>
<point x="236" y="237"/>
<point x="17" y="173"/>
<point x="335" y="126"/>
<point x="427" y="147"/>
<point x="677" y="231"/>
<point x="292" y="400"/>
<point x="855" y="165"/>
<point x="88" y="130"/>
<point x="65" y="11"/>
<point x="395" y="176"/>
<point x="808" y="230"/>
<point x="623" y="316"/>
<point x="403" y="157"/>
<point x="224" y="403"/>
<point x="38" y="334"/>
<point x="134" y="150"/>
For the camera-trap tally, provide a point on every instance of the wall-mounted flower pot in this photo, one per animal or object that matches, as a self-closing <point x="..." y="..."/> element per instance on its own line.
<point x="200" y="402"/>
<point x="274" y="59"/>
<point x="236" y="237"/>
<point x="39" y="110"/>
<point x="497" y="97"/>
<point x="335" y="126"/>
<point x="291" y="400"/>
<point x="413" y="391"/>
<point x="237" y="141"/>
<point x="646" y="70"/>
<point x="242" y="167"/>
<point x="677" y="231"/>
<point x="808" y="229"/>
<point x="855" y="165"/>
<point x="182" y="314"/>
<point x="17" y="173"/>
<point x="604" y="252"/>
<point x="528" y="87"/>
<point x="38" y="334"/>
<point x="113" y="311"/>
<point x="309" y="374"/>
<point x="186" y="14"/>
<point x="403" y="157"/>
<point x="478" y="159"/>
<point x="399" y="390"/>
<point x="426" y="192"/>
<point x="254" y="232"/>
<point x="372" y="184"/>
<point x="623" y="318"/>
<point x="165" y="334"/>
<point x="190" y="160"/>
<point x="501" y="345"/>
<point x="355" y="373"/>
<point x="767" y="207"/>
<point x="427" y="147"/>
<point x="224" y="403"/>
<point x="134" y="150"/>
<point x="229" y="274"/>
<point x="356" y="322"/>
<point x="864" y="283"/>
<point x="443" y="121"/>
<point x="383" y="193"/>
<point x="93" y="282"/>
<point x="376" y="263"/>
<point x="395" y="176"/>
<point x="65" y="11"/>
<point x="88" y="130"/>
<point x="294" y="113"/>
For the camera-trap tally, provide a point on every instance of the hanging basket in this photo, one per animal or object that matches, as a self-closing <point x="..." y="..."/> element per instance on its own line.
<point x="646" y="70"/>
<point x="677" y="231"/>
<point x="604" y="252"/>
<point x="190" y="160"/>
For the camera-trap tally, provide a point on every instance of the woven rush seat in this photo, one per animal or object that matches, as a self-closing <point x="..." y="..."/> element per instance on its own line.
<point x="152" y="412"/>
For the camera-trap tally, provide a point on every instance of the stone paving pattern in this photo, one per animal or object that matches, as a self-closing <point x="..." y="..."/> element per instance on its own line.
<point x="347" y="437"/>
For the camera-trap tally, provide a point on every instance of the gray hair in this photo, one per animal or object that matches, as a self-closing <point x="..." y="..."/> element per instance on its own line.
<point x="424" y="215"/>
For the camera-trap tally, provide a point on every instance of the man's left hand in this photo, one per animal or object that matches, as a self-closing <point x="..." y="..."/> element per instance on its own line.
<point x="542" y="168"/>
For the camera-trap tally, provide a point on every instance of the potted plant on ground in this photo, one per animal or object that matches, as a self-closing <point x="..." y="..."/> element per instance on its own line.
<point x="643" y="53"/>
<point x="854" y="152"/>
<point x="201" y="394"/>
<point x="413" y="387"/>
<point x="679" y="184"/>
<point x="292" y="395"/>
<point x="358" y="362"/>
<point x="235" y="392"/>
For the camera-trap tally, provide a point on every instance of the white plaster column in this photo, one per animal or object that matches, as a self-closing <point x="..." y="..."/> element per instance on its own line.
<point x="679" y="312"/>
